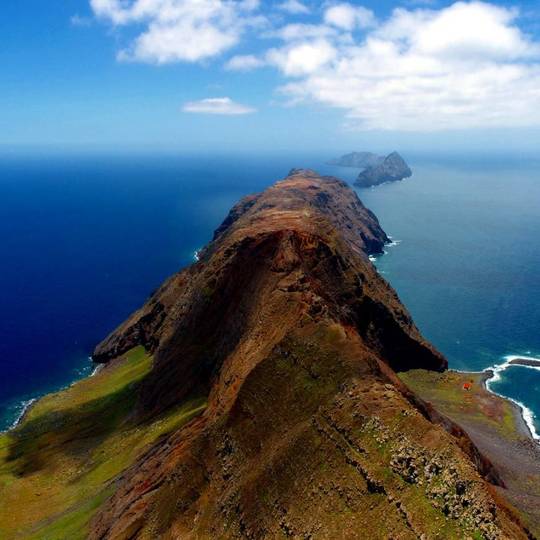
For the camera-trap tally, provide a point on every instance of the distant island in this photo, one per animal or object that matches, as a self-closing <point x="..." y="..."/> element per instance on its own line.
<point x="377" y="169"/>
<point x="358" y="160"/>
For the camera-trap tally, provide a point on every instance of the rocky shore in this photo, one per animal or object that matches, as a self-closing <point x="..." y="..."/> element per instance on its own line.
<point x="530" y="362"/>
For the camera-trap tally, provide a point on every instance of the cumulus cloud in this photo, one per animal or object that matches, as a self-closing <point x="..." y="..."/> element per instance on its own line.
<point x="302" y="58"/>
<point x="179" y="30"/>
<point x="219" y="105"/>
<point x="464" y="66"/>
<point x="349" y="17"/>
<point x="294" y="7"/>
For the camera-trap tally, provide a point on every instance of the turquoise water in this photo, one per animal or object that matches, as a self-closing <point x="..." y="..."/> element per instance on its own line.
<point x="87" y="239"/>
<point x="467" y="261"/>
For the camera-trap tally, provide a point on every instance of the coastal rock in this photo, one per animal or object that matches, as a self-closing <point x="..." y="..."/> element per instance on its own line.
<point x="392" y="169"/>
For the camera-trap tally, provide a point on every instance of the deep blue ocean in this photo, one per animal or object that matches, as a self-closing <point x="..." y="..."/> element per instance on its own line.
<point x="86" y="239"/>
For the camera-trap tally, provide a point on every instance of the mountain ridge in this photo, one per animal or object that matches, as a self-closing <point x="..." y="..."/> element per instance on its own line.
<point x="287" y="327"/>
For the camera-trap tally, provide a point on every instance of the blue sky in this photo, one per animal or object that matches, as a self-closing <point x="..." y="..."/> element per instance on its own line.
<point x="194" y="75"/>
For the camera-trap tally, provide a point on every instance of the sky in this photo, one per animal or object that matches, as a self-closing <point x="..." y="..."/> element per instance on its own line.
<point x="247" y="75"/>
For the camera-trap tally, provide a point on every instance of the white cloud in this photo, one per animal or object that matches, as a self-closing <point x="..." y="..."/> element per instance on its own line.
<point x="181" y="41"/>
<point x="179" y="30"/>
<point x="220" y="105"/>
<point x="463" y="29"/>
<point x="294" y="7"/>
<point x="244" y="63"/>
<point x="464" y="66"/>
<point x="302" y="59"/>
<point x="349" y="17"/>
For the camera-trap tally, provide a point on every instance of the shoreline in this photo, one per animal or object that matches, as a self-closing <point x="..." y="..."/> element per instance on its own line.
<point x="492" y="373"/>
<point x="390" y="244"/>
<point x="28" y="404"/>
<point x="524" y="413"/>
<point x="26" y="407"/>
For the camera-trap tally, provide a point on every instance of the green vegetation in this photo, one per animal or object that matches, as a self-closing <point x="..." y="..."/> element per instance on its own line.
<point x="57" y="467"/>
<point x="464" y="398"/>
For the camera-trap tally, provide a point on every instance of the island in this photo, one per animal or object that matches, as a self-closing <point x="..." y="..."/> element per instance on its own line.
<point x="376" y="169"/>
<point x="275" y="388"/>
<point x="391" y="169"/>
<point x="357" y="160"/>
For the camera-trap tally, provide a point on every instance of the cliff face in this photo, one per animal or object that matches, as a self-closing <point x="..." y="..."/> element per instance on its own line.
<point x="294" y="338"/>
<point x="302" y="244"/>
<point x="392" y="169"/>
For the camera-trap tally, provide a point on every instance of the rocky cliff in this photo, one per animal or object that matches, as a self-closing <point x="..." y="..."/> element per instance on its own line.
<point x="293" y="339"/>
<point x="392" y="169"/>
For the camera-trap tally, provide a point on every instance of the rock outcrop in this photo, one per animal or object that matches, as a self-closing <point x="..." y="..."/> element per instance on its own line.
<point x="392" y="169"/>
<point x="295" y="338"/>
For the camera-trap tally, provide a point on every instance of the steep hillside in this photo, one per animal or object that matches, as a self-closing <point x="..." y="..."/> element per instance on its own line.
<point x="271" y="407"/>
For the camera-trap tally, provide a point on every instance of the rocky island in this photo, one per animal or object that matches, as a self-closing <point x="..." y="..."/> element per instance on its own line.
<point x="376" y="169"/>
<point x="391" y="169"/>
<point x="357" y="160"/>
<point x="265" y="391"/>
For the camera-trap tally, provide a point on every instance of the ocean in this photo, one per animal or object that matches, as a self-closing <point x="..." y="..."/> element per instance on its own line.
<point x="87" y="238"/>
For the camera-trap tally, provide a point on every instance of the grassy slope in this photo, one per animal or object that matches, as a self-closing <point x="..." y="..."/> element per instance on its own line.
<point x="58" y="465"/>
<point x="476" y="405"/>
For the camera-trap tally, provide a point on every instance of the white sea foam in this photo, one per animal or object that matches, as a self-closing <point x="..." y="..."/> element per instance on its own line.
<point x="196" y="255"/>
<point x="97" y="369"/>
<point x="24" y="406"/>
<point x="497" y="369"/>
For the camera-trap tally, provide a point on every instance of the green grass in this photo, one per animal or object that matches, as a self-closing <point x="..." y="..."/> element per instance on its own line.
<point x="476" y="405"/>
<point x="57" y="467"/>
<point x="73" y="524"/>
